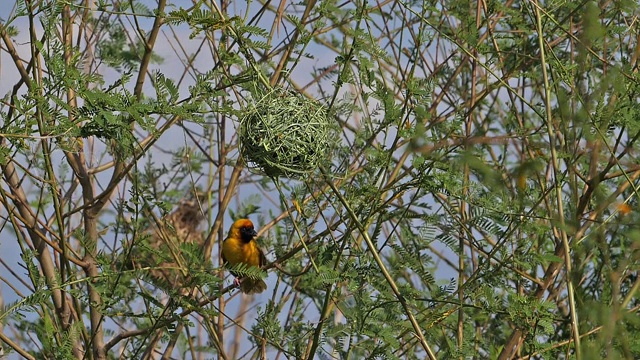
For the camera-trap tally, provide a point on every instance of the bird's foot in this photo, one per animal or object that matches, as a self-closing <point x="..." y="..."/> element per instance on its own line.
<point x="236" y="282"/>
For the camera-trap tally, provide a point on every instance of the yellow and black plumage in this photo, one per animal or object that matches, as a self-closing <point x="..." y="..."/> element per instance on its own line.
<point x="241" y="247"/>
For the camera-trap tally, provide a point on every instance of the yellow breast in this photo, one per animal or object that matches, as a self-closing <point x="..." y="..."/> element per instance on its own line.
<point x="236" y="251"/>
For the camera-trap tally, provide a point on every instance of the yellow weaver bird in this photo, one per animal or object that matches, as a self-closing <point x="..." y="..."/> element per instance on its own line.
<point x="241" y="247"/>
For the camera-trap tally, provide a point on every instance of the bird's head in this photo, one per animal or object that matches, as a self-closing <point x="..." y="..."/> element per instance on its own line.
<point x="244" y="229"/>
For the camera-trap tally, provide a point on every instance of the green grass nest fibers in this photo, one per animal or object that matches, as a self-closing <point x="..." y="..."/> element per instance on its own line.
<point x="285" y="134"/>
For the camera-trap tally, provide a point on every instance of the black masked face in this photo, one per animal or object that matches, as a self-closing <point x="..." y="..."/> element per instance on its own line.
<point x="247" y="233"/>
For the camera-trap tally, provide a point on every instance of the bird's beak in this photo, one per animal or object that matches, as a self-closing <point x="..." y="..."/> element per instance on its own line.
<point x="253" y="233"/>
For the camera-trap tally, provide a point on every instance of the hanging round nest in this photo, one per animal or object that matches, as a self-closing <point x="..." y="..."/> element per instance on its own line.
<point x="285" y="134"/>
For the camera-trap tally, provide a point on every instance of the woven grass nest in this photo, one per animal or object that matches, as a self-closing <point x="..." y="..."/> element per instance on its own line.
<point x="285" y="134"/>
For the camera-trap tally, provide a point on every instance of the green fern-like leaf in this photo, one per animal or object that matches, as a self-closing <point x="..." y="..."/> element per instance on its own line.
<point x="243" y="270"/>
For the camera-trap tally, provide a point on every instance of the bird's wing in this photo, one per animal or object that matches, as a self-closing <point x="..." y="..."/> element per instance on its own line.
<point x="224" y="260"/>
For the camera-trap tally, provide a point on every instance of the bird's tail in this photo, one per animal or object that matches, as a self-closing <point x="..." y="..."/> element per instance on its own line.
<point x="252" y="286"/>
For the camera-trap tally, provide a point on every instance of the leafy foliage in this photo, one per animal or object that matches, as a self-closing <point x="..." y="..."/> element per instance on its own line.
<point x="479" y="202"/>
